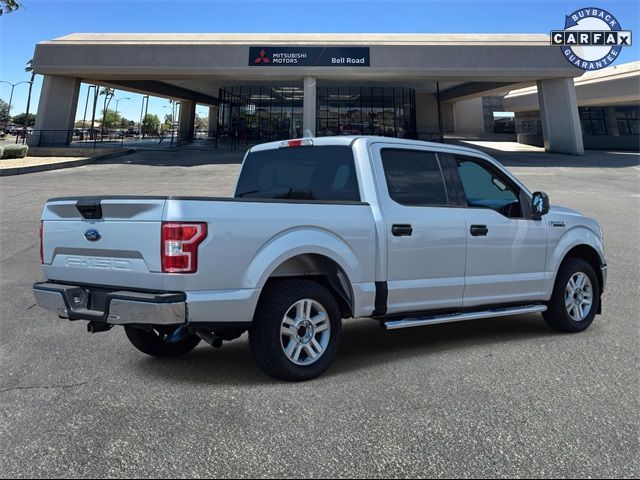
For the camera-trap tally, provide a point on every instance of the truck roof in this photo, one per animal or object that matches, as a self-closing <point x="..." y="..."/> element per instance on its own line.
<point x="346" y="140"/>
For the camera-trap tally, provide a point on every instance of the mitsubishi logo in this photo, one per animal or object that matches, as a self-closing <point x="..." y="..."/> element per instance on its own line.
<point x="262" y="58"/>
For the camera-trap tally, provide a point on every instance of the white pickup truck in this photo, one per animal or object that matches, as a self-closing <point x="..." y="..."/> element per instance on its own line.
<point x="321" y="229"/>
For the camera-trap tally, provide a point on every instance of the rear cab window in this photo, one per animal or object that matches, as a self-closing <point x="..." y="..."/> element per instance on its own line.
<point x="414" y="177"/>
<point x="323" y="173"/>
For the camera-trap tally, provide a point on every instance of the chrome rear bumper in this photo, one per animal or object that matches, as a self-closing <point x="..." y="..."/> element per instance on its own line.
<point x="117" y="307"/>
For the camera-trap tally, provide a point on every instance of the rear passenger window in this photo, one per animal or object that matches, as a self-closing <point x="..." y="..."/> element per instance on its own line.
<point x="414" y="177"/>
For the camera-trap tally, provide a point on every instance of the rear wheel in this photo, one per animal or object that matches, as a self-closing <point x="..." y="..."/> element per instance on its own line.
<point x="576" y="294"/>
<point x="296" y="330"/>
<point x="162" y="341"/>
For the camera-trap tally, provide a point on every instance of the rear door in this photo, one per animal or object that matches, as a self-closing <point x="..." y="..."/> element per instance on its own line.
<point x="426" y="233"/>
<point x="107" y="241"/>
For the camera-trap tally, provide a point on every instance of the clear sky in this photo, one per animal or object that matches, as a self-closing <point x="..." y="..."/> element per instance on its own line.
<point x="46" y="19"/>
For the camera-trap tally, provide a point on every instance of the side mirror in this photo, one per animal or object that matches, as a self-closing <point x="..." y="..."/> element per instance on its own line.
<point x="539" y="204"/>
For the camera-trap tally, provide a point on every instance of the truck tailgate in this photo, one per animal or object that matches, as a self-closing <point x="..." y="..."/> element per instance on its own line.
<point x="106" y="241"/>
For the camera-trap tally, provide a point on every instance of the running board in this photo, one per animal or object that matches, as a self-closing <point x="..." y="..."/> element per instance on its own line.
<point x="461" y="317"/>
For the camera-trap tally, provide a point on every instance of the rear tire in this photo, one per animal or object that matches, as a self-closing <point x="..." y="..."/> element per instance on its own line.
<point x="296" y="330"/>
<point x="575" y="299"/>
<point x="162" y="341"/>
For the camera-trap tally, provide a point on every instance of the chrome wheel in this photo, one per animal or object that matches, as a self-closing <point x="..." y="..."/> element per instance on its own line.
<point x="305" y="332"/>
<point x="578" y="296"/>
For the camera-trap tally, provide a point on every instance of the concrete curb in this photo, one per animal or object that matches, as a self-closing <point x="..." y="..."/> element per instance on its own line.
<point x="5" y="172"/>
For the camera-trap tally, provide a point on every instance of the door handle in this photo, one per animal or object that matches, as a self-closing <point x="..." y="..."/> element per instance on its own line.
<point x="402" y="230"/>
<point x="479" y="230"/>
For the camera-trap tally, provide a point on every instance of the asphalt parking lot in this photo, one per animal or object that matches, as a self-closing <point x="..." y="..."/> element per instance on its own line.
<point x="490" y="398"/>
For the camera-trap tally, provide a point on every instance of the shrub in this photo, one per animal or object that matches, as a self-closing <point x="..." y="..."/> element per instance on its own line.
<point x="14" y="151"/>
<point x="1" y="150"/>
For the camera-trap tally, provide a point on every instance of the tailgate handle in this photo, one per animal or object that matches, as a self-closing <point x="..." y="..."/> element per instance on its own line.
<point x="89" y="209"/>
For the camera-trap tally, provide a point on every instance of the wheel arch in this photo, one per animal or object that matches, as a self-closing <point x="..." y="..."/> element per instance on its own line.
<point x="590" y="255"/>
<point x="322" y="269"/>
<point x="309" y="253"/>
<point x="580" y="242"/>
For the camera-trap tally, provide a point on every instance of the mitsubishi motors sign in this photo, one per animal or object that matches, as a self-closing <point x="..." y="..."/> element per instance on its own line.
<point x="309" y="56"/>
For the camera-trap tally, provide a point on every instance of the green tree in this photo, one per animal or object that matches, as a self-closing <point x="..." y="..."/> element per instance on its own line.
<point x="8" y="6"/>
<point x="4" y="112"/>
<point x="168" y="122"/>
<point x="111" y="120"/>
<point x="150" y="124"/>
<point x="108" y="96"/>
<point x="21" y="119"/>
<point x="202" y="123"/>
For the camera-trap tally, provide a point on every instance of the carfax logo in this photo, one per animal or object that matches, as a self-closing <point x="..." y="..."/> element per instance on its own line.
<point x="592" y="38"/>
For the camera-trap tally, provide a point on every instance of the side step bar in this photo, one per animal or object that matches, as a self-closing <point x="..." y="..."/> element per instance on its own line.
<point x="460" y="317"/>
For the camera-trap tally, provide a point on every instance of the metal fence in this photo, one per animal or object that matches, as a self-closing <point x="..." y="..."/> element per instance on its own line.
<point x="97" y="139"/>
<point x="218" y="140"/>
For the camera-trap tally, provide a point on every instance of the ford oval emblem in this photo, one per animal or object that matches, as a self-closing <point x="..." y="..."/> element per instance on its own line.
<point x="92" y="235"/>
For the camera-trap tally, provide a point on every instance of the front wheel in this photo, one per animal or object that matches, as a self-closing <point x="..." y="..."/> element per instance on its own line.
<point x="575" y="298"/>
<point x="162" y="341"/>
<point x="296" y="330"/>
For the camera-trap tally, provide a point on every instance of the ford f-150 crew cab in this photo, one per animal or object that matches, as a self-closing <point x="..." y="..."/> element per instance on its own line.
<point x="320" y="230"/>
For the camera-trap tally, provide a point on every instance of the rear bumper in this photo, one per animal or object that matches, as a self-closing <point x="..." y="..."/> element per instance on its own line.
<point x="111" y="307"/>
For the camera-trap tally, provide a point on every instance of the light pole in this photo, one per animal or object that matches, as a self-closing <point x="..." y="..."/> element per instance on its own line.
<point x="124" y="98"/>
<point x="173" y="120"/>
<point x="13" y="85"/>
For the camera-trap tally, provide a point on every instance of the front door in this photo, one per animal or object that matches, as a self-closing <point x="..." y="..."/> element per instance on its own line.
<point x="426" y="241"/>
<point x="506" y="248"/>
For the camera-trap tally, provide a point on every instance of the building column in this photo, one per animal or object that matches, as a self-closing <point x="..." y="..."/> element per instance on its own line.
<point x="309" y="108"/>
<point x="187" y="120"/>
<point x="56" y="111"/>
<point x="559" y="116"/>
<point x="213" y="121"/>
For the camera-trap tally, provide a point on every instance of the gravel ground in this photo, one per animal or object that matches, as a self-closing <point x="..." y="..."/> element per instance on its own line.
<point x="492" y="398"/>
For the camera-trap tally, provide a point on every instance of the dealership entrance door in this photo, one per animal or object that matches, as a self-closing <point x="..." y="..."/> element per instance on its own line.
<point x="256" y="114"/>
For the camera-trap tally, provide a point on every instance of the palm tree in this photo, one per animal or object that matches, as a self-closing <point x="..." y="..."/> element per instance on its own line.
<point x="8" y="6"/>
<point x="108" y="95"/>
<point x="29" y="69"/>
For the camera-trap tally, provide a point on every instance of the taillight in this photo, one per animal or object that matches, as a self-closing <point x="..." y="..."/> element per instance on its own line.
<point x="41" y="242"/>
<point x="180" y="243"/>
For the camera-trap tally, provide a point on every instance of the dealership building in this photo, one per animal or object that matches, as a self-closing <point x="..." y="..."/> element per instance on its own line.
<point x="272" y="86"/>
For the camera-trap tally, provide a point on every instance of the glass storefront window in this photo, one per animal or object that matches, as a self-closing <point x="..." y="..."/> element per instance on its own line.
<point x="366" y="111"/>
<point x="592" y="121"/>
<point x="260" y="113"/>
<point x="263" y="113"/>
<point x="628" y="118"/>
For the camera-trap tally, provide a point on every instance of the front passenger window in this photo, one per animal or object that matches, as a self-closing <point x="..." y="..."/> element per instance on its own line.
<point x="485" y="188"/>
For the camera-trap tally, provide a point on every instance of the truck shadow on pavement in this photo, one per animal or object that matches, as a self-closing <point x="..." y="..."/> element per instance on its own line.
<point x="365" y="345"/>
